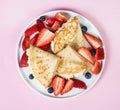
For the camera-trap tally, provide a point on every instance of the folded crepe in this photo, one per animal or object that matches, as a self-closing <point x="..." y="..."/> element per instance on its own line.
<point x="71" y="63"/>
<point x="42" y="64"/>
<point x="69" y="34"/>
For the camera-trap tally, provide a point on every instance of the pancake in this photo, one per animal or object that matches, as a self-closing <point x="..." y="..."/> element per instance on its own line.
<point x="42" y="64"/>
<point x="72" y="63"/>
<point x="69" y="34"/>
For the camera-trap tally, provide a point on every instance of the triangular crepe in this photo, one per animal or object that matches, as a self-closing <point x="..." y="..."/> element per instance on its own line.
<point x="42" y="64"/>
<point x="70" y="34"/>
<point x="72" y="63"/>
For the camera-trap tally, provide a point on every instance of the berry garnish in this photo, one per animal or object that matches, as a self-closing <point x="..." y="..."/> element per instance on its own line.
<point x="79" y="84"/>
<point x="99" y="54"/>
<point x="24" y="60"/>
<point x="84" y="29"/>
<point x="31" y="76"/>
<point x="58" y="84"/>
<point x="50" y="21"/>
<point x="84" y="52"/>
<point x="31" y="30"/>
<point x="45" y="37"/>
<point x="50" y="90"/>
<point x="42" y="18"/>
<point x="93" y="52"/>
<point x="96" y="68"/>
<point x="94" y="41"/>
<point x="61" y="17"/>
<point x="68" y="86"/>
<point x="88" y="75"/>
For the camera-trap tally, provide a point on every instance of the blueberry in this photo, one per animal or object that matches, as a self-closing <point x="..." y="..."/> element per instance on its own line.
<point x="93" y="52"/>
<point x="88" y="75"/>
<point x="50" y="90"/>
<point x="84" y="29"/>
<point x="31" y="76"/>
<point x="42" y="18"/>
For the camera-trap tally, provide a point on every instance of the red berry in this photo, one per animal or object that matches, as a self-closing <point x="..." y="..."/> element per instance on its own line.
<point x="96" y="68"/>
<point x="25" y="43"/>
<point x="23" y="60"/>
<point x="58" y="84"/>
<point x="61" y="17"/>
<point x="50" y="21"/>
<point x="99" y="54"/>
<point x="31" y="30"/>
<point x="68" y="86"/>
<point x="79" y="84"/>
<point x="40" y="25"/>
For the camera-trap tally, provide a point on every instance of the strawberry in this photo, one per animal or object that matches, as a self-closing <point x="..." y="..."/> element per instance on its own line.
<point x="99" y="54"/>
<point x="50" y="21"/>
<point x="61" y="17"/>
<point x="33" y="40"/>
<point x="79" y="84"/>
<point x="40" y="25"/>
<point x="25" y="43"/>
<point x="96" y="68"/>
<point x="45" y="47"/>
<point x="93" y="41"/>
<point x="31" y="30"/>
<point x="55" y="26"/>
<point x="23" y="60"/>
<point x="45" y="37"/>
<point x="84" y="52"/>
<point x="68" y="86"/>
<point x="58" y="84"/>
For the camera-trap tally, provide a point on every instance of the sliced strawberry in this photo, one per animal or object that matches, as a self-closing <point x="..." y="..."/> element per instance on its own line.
<point x="33" y="40"/>
<point x="68" y="86"/>
<point x="23" y="60"/>
<point x="96" y="68"/>
<point x="55" y="26"/>
<point x="58" y="84"/>
<point x="31" y="30"/>
<point x="93" y="41"/>
<point x="40" y="25"/>
<point x="99" y="54"/>
<point x="45" y="47"/>
<point x="50" y="21"/>
<point x="61" y="17"/>
<point x="84" y="52"/>
<point x="79" y="84"/>
<point x="45" y="37"/>
<point x="25" y="43"/>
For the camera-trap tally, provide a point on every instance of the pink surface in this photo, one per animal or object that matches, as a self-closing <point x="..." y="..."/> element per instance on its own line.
<point x="15" y="15"/>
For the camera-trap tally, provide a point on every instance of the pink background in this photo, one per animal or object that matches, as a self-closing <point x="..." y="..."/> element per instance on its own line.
<point x="16" y="14"/>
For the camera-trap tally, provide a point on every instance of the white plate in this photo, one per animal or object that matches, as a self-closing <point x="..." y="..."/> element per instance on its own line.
<point x="25" y="72"/>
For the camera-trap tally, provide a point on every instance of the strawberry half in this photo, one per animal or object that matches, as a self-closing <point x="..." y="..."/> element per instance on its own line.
<point x="33" y="40"/>
<point x="40" y="25"/>
<point x="68" y="86"/>
<point x="45" y="37"/>
<point x="45" y="47"/>
<point x="96" y="68"/>
<point x="50" y="21"/>
<point x="99" y="54"/>
<point x="25" y="43"/>
<point x="58" y="84"/>
<point x="23" y="60"/>
<point x="79" y="84"/>
<point x="31" y="30"/>
<point x="93" y="41"/>
<point x="61" y="17"/>
<point x="84" y="52"/>
<point x="55" y="26"/>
